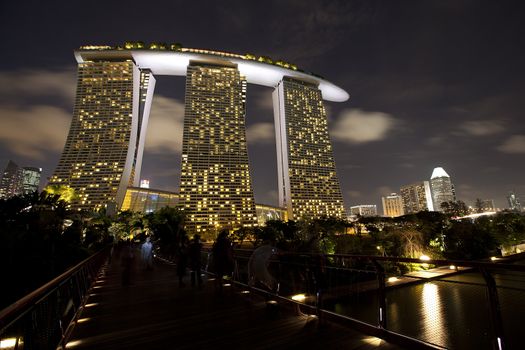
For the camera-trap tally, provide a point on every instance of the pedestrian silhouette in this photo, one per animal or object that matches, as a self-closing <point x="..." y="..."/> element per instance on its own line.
<point x="195" y="259"/>
<point x="222" y="253"/>
<point x="147" y="254"/>
<point x="182" y="259"/>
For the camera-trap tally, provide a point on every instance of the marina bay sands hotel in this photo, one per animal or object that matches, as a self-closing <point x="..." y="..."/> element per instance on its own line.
<point x="103" y="153"/>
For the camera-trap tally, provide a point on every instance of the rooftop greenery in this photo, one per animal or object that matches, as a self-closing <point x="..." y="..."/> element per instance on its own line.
<point x="160" y="46"/>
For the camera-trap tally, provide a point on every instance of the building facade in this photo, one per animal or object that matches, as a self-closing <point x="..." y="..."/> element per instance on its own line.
<point x="146" y="200"/>
<point x="514" y="202"/>
<point x="364" y="210"/>
<point x="104" y="147"/>
<point x="269" y="212"/>
<point x="417" y="197"/>
<point x="10" y="184"/>
<point x="307" y="181"/>
<point x="215" y="185"/>
<point x="392" y="205"/>
<point x="442" y="188"/>
<point x="30" y="178"/>
<point x="103" y="153"/>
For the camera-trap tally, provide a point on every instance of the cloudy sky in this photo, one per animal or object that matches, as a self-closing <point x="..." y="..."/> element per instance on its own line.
<point x="431" y="83"/>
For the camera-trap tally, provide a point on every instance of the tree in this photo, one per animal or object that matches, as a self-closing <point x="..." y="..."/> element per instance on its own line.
<point x="454" y="208"/>
<point x="167" y="226"/>
<point x="478" y="206"/>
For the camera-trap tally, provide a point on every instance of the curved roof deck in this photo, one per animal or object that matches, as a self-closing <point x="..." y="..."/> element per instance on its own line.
<point x="165" y="62"/>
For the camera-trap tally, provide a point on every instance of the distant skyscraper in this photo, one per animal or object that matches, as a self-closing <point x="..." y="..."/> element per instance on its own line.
<point x="30" y="178"/>
<point x="307" y="179"/>
<point x="10" y="183"/>
<point x="215" y="188"/>
<point x="442" y="188"/>
<point x="364" y="210"/>
<point x="488" y="205"/>
<point x="417" y="197"/>
<point x="514" y="202"/>
<point x="392" y="205"/>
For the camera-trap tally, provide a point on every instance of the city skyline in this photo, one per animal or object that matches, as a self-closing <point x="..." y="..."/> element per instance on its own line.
<point x="433" y="84"/>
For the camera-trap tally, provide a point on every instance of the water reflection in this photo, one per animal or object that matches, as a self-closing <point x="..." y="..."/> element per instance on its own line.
<point x="432" y="314"/>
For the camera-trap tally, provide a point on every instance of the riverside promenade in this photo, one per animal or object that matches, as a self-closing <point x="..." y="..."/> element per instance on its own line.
<point x="153" y="312"/>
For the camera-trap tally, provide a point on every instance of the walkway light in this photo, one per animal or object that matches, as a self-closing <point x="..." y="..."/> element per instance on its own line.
<point x="424" y="258"/>
<point x="299" y="297"/>
<point x="7" y="343"/>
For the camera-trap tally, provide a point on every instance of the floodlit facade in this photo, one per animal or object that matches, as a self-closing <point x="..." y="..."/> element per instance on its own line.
<point x="307" y="179"/>
<point x="30" y="178"/>
<point x="215" y="186"/>
<point x="364" y="210"/>
<point x="269" y="212"/>
<point x="417" y="197"/>
<point x="514" y="202"/>
<point x="146" y="200"/>
<point x="392" y="205"/>
<point x="103" y="153"/>
<point x="442" y="188"/>
<point x="10" y="182"/>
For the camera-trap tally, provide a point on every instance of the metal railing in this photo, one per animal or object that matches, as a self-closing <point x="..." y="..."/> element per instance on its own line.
<point x="40" y="320"/>
<point x="415" y="303"/>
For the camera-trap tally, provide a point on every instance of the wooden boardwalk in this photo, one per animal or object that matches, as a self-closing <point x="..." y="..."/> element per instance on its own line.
<point x="154" y="313"/>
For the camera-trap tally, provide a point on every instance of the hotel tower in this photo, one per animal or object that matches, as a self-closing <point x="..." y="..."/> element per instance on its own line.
<point x="103" y="153"/>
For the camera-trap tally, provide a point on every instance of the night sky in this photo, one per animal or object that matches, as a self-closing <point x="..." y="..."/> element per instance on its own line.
<point x="431" y="83"/>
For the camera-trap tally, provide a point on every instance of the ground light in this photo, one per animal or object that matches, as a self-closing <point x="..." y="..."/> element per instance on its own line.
<point x="8" y="343"/>
<point x="299" y="297"/>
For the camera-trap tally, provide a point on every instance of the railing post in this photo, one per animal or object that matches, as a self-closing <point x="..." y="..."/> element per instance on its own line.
<point x="495" y="310"/>
<point x="381" y="293"/>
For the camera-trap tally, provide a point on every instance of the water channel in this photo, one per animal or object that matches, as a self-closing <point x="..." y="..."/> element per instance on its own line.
<point x="451" y="312"/>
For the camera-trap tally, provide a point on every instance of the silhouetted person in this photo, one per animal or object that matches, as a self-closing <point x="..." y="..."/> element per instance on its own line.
<point x="146" y="252"/>
<point x="127" y="263"/>
<point x="182" y="260"/>
<point x="222" y="257"/>
<point x="194" y="256"/>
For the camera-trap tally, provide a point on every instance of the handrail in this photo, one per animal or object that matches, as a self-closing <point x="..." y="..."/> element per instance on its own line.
<point x="40" y="319"/>
<point x="327" y="277"/>
<point x="498" y="264"/>
<point x="42" y="292"/>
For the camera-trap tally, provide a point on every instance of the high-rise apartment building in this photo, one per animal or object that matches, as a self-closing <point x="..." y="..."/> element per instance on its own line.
<point x="30" y="179"/>
<point x="103" y="150"/>
<point x="10" y="183"/>
<point x="364" y="210"/>
<point x="307" y="179"/>
<point x="417" y="197"/>
<point x="392" y="205"/>
<point x="487" y="205"/>
<point x="514" y="202"/>
<point x="442" y="188"/>
<point x="215" y="186"/>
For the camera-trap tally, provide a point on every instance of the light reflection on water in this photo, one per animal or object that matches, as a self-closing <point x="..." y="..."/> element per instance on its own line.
<point x="432" y="313"/>
<point x="451" y="315"/>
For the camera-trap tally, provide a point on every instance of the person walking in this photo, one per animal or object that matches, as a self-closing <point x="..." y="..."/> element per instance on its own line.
<point x="182" y="260"/>
<point x="222" y="253"/>
<point x="146" y="252"/>
<point x="195" y="259"/>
